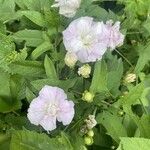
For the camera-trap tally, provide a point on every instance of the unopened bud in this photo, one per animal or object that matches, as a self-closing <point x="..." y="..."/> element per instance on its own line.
<point x="129" y="78"/>
<point x="88" y="140"/>
<point x="85" y="71"/>
<point x="88" y="96"/>
<point x="90" y="133"/>
<point x="70" y="59"/>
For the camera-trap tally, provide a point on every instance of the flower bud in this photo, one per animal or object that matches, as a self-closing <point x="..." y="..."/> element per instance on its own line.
<point x="129" y="78"/>
<point x="87" y="96"/>
<point x="90" y="133"/>
<point x="85" y="71"/>
<point x="90" y="122"/>
<point x="120" y="113"/>
<point x="88" y="140"/>
<point x="70" y="59"/>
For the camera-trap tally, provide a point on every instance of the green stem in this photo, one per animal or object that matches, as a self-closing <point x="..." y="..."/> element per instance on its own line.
<point x="124" y="58"/>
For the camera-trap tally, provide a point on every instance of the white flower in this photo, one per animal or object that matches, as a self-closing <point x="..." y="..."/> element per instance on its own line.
<point x="49" y="106"/>
<point x="112" y="34"/>
<point x="67" y="8"/>
<point x="83" y="37"/>
<point x="70" y="59"/>
<point x="85" y="71"/>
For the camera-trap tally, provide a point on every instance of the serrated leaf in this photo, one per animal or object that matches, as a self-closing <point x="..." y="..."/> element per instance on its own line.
<point x="113" y="125"/>
<point x="144" y="53"/>
<point x="64" y="84"/>
<point x="27" y="140"/>
<point x="32" y="37"/>
<point x="107" y="75"/>
<point x="28" y="68"/>
<point x="35" y="16"/>
<point x="41" y="49"/>
<point x="99" y="80"/>
<point x="134" y="143"/>
<point x="50" y="68"/>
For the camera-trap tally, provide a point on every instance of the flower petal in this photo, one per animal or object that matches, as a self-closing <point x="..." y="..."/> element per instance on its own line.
<point x="48" y="123"/>
<point x="36" y="111"/>
<point x="66" y="112"/>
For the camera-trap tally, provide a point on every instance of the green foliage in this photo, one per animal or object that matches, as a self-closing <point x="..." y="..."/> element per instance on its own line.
<point x="32" y="56"/>
<point x="134" y="143"/>
<point x="107" y="75"/>
<point x="29" y="140"/>
<point x="113" y="125"/>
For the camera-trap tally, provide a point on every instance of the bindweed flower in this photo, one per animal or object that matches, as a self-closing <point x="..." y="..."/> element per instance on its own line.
<point x="70" y="59"/>
<point x="129" y="78"/>
<point x="90" y="122"/>
<point x="49" y="106"/>
<point x="88" y="96"/>
<point x="83" y="38"/>
<point x="85" y="71"/>
<point x="67" y="8"/>
<point x="112" y="34"/>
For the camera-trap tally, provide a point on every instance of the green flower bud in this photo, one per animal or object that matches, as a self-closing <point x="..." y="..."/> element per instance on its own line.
<point x="90" y="133"/>
<point x="87" y="96"/>
<point x="70" y="59"/>
<point x="88" y="140"/>
<point x="85" y="71"/>
<point x="120" y="113"/>
<point x="129" y="78"/>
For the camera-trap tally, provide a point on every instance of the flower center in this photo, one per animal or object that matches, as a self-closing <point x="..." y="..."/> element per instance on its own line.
<point x="52" y="109"/>
<point x="87" y="40"/>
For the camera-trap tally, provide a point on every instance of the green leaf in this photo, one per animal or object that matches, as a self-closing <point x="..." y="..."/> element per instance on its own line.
<point x="113" y="125"/>
<point x="107" y="76"/>
<point x="50" y="68"/>
<point x="132" y="97"/>
<point x="29" y="95"/>
<point x="41" y="49"/>
<point x="144" y="52"/>
<point x="28" y="68"/>
<point x="35" y="16"/>
<point x="33" y="38"/>
<point x="27" y="140"/>
<point x="134" y="143"/>
<point x="4" y="141"/>
<point x="64" y="84"/>
<point x="7" y="10"/>
<point x="99" y="80"/>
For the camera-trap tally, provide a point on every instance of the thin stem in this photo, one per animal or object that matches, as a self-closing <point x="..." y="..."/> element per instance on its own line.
<point x="124" y="58"/>
<point x="104" y="102"/>
<point x="94" y="113"/>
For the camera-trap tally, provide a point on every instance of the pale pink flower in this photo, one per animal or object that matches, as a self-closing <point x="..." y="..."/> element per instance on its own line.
<point x="112" y="35"/>
<point x="67" y="8"/>
<point x="49" y="106"/>
<point x="83" y="37"/>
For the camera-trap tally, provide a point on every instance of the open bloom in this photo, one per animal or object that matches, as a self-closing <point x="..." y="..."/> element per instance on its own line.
<point x="49" y="106"/>
<point x="67" y="8"/>
<point x="112" y="34"/>
<point x="83" y="37"/>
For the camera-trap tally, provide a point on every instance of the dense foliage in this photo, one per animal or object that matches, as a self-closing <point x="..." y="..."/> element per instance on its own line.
<point x="32" y="55"/>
